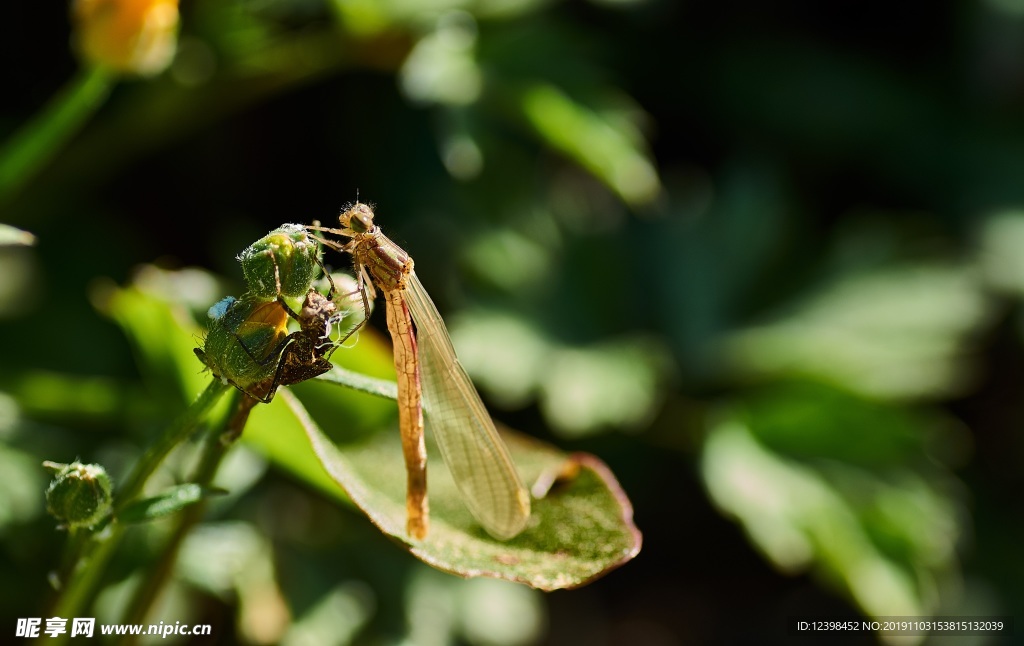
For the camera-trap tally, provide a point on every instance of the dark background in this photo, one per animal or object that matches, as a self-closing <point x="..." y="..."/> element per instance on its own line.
<point x="800" y="148"/>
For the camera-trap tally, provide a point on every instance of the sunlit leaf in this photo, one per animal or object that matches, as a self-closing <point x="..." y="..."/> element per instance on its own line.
<point x="798" y="520"/>
<point x="580" y="530"/>
<point x="881" y="526"/>
<point x="898" y="333"/>
<point x="151" y="313"/>
<point x="606" y="147"/>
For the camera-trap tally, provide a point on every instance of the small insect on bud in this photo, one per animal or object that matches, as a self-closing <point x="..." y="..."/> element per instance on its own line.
<point x="285" y="262"/>
<point x="79" y="495"/>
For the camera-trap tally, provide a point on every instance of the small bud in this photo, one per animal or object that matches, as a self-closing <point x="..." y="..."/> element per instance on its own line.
<point x="286" y="261"/>
<point x="79" y="495"/>
<point x="131" y="36"/>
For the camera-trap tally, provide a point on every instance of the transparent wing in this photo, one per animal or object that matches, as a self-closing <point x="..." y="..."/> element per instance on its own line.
<point x="475" y="455"/>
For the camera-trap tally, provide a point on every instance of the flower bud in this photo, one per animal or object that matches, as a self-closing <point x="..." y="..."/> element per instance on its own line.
<point x="130" y="36"/>
<point x="283" y="262"/>
<point x="79" y="495"/>
<point x="243" y="335"/>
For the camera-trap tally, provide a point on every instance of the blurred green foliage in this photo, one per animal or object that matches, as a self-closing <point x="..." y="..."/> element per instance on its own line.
<point x="764" y="261"/>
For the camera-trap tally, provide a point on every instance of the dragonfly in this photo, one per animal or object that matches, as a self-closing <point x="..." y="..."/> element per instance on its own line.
<point x="431" y="378"/>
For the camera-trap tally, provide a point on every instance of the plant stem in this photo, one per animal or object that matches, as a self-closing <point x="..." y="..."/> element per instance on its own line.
<point x="31" y="146"/>
<point x="85" y="576"/>
<point x="173" y="436"/>
<point x="216" y="447"/>
<point x="88" y="569"/>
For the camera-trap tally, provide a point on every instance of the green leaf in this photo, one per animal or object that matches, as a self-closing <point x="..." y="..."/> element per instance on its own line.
<point x="173" y="500"/>
<point x="608" y="148"/>
<point x="272" y="431"/>
<point x="580" y="530"/>
<point x="360" y="382"/>
<point x="877" y="522"/>
<point x="898" y="333"/>
<point x="159" y="326"/>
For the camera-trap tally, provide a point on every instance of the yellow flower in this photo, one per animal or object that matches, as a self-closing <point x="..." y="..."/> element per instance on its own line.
<point x="131" y="36"/>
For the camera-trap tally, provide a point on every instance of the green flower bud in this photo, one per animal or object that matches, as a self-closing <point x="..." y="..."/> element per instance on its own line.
<point x="79" y="495"/>
<point x="285" y="262"/>
<point x="244" y="336"/>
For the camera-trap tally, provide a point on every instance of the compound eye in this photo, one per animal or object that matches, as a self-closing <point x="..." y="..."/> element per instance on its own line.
<point x="360" y="218"/>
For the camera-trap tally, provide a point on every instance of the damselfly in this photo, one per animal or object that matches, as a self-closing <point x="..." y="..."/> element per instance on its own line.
<point x="431" y="378"/>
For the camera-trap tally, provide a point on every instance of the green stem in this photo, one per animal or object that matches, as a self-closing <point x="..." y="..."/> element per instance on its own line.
<point x="87" y="572"/>
<point x="77" y="539"/>
<point x="217" y="445"/>
<point x="173" y="436"/>
<point x="85" y="576"/>
<point x="30" y="147"/>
